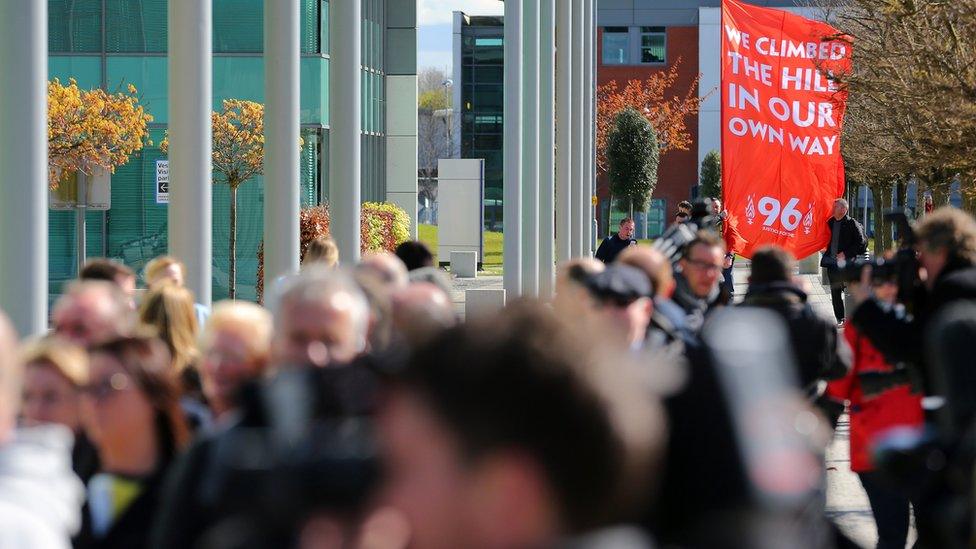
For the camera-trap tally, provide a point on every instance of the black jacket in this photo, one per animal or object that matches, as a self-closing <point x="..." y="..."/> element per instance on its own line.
<point x="902" y="339"/>
<point x="852" y="241"/>
<point x="819" y="352"/>
<point x="132" y="527"/>
<point x="611" y="247"/>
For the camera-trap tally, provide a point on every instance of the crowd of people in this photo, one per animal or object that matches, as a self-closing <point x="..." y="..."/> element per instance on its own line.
<point x="640" y="407"/>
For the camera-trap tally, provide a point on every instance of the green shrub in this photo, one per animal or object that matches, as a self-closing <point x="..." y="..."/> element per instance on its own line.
<point x="383" y="226"/>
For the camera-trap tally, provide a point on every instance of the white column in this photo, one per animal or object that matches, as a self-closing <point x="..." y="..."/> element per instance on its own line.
<point x="577" y="98"/>
<point x="345" y="108"/>
<point x="282" y="191"/>
<point x="591" y="129"/>
<point x="530" y="148"/>
<point x="589" y="143"/>
<point x="547" y="138"/>
<point x="190" y="102"/>
<point x="512" y="240"/>
<point x="23" y="164"/>
<point x="564" y="134"/>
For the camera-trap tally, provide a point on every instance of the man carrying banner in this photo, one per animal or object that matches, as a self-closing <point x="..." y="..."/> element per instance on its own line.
<point x="782" y="117"/>
<point x="847" y="241"/>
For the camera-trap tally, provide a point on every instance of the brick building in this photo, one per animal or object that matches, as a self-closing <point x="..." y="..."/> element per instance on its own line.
<point x="638" y="38"/>
<point x="635" y="39"/>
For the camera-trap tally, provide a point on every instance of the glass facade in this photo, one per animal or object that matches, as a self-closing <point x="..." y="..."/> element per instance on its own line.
<point x="113" y="43"/>
<point x="482" y="104"/>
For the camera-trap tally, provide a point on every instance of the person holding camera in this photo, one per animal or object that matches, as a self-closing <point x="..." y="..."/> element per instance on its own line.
<point x="847" y="241"/>
<point x="683" y="213"/>
<point x="720" y="215"/>
<point x="946" y="245"/>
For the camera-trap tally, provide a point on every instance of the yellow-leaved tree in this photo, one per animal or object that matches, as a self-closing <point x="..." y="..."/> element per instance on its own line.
<point x="89" y="129"/>
<point x="238" y="155"/>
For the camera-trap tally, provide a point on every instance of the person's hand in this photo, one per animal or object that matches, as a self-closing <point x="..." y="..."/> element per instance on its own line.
<point x="862" y="290"/>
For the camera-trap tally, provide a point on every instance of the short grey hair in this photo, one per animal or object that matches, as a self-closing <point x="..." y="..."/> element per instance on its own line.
<point x="843" y="202"/>
<point x="317" y="284"/>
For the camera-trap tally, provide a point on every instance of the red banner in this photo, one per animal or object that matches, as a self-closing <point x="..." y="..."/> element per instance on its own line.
<point x="781" y="124"/>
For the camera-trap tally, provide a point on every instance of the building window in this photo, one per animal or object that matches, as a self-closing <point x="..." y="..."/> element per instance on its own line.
<point x="616" y="45"/>
<point x="656" y="217"/>
<point x="652" y="44"/>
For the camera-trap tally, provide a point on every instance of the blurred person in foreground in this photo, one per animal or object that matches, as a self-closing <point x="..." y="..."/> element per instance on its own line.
<point x="314" y="380"/>
<point x="111" y="271"/>
<point x="622" y="305"/>
<point x="321" y="318"/>
<point x="946" y="245"/>
<point x="321" y="251"/>
<point x="698" y="282"/>
<point x="668" y="329"/>
<point x="434" y="276"/>
<point x="168" y="311"/>
<point x="235" y="350"/>
<point x="572" y="299"/>
<point x="415" y="255"/>
<point x="39" y="494"/>
<point x="506" y="432"/>
<point x="167" y="269"/>
<point x="819" y="353"/>
<point x="612" y="245"/>
<point x="387" y="268"/>
<point x="420" y="312"/>
<point x="873" y="415"/>
<point x="55" y="373"/>
<point x="132" y="415"/>
<point x="379" y="332"/>
<point x="92" y="312"/>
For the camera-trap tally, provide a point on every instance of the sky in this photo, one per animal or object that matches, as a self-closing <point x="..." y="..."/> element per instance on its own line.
<point x="436" y="28"/>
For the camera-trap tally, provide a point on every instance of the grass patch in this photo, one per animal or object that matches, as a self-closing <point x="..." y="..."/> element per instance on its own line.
<point x="491" y="263"/>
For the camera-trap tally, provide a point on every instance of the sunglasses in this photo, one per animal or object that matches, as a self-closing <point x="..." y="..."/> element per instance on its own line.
<point x="681" y="215"/>
<point x="101" y="390"/>
<point x="620" y="302"/>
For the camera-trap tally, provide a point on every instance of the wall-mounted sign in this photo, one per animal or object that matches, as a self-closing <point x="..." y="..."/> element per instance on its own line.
<point x="162" y="182"/>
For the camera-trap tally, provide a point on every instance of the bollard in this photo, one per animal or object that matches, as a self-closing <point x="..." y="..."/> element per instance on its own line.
<point x="464" y="264"/>
<point x="481" y="302"/>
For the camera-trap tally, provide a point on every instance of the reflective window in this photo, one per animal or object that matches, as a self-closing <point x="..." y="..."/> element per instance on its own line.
<point x="616" y="45"/>
<point x="74" y="26"/>
<point x="653" y="42"/>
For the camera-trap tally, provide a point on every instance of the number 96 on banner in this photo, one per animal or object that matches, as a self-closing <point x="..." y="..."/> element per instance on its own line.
<point x="778" y="217"/>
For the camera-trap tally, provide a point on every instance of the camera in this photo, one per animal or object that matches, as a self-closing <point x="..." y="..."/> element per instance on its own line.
<point x="901" y="269"/>
<point x="674" y="241"/>
<point x="304" y="447"/>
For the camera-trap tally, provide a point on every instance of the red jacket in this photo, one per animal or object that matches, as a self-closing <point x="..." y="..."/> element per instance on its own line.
<point x="872" y="416"/>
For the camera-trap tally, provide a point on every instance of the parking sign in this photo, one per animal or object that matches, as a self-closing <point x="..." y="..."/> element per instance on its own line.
<point x="162" y="182"/>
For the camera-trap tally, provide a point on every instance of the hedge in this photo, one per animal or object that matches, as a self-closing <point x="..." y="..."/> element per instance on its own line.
<point x="383" y="226"/>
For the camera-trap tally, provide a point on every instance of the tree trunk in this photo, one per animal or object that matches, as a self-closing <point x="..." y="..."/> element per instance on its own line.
<point x="232" y="286"/>
<point x="881" y="194"/>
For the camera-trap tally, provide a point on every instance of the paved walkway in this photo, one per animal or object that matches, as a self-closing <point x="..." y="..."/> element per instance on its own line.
<point x="847" y="504"/>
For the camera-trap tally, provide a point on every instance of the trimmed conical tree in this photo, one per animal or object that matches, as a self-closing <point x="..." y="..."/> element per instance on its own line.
<point x="633" y="157"/>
